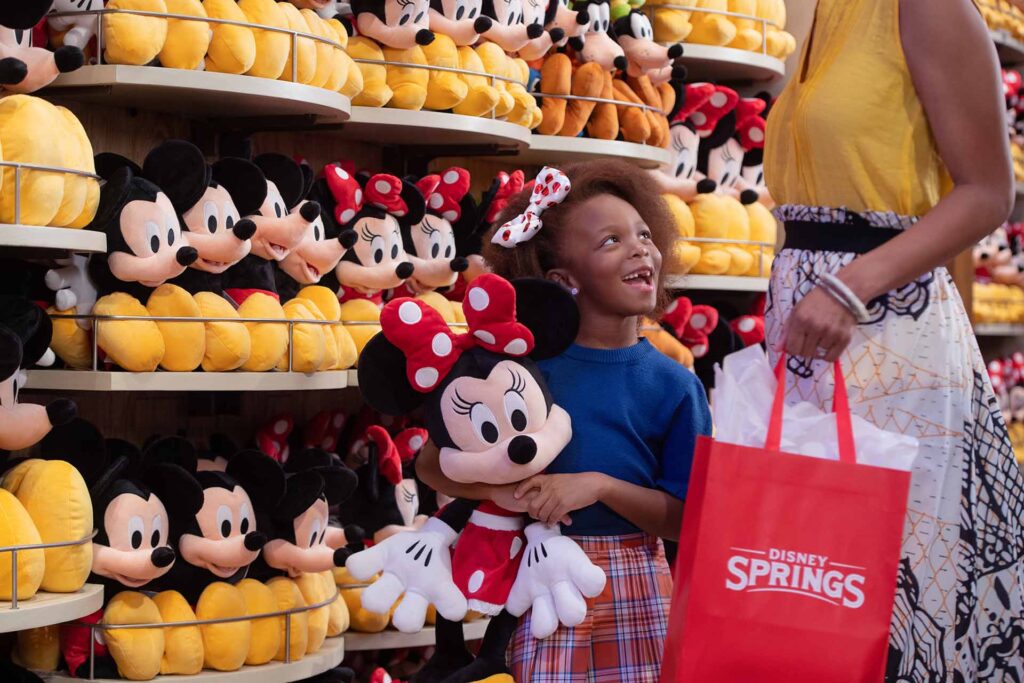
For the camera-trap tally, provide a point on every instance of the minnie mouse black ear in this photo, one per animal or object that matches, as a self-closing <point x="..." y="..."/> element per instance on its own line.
<point x="383" y="380"/>
<point x="180" y="170"/>
<point x="261" y="477"/>
<point x="414" y="202"/>
<point x="32" y="326"/>
<point x="307" y="459"/>
<point x="551" y="314"/>
<point x="23" y="15"/>
<point x="286" y="174"/>
<point x="244" y="181"/>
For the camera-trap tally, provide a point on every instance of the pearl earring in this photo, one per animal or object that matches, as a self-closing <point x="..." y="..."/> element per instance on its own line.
<point x="574" y="291"/>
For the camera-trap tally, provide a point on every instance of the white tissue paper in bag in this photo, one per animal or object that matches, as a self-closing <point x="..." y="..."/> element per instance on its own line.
<point x="741" y="405"/>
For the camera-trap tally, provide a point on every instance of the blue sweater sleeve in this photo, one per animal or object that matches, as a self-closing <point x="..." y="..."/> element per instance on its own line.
<point x="692" y="419"/>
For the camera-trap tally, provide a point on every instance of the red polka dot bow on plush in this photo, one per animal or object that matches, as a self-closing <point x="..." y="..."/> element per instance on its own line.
<point x="383" y="191"/>
<point x="445" y="192"/>
<point x="431" y="349"/>
<point x="721" y="102"/>
<point x="550" y="188"/>
<point x="750" y="125"/>
<point x="509" y="185"/>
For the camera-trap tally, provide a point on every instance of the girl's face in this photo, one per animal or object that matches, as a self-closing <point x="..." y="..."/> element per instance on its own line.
<point x="611" y="258"/>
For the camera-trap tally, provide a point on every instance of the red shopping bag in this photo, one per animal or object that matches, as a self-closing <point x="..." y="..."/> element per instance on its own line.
<point x="787" y="564"/>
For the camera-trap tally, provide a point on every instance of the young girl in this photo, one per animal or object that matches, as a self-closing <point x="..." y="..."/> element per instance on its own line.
<point x="619" y="485"/>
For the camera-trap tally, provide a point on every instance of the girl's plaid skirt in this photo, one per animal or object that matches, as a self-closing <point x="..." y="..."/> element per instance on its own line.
<point x="623" y="636"/>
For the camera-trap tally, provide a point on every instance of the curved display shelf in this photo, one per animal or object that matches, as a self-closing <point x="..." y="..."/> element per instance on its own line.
<point x="198" y="94"/>
<point x="328" y="657"/>
<point x="41" y="237"/>
<point x="44" y="609"/>
<point x="391" y="640"/>
<point x="1011" y="50"/>
<point x="100" y="380"/>
<point x="999" y="329"/>
<point x="722" y="64"/>
<point x="431" y="128"/>
<point x="719" y="283"/>
<point x="545" y="149"/>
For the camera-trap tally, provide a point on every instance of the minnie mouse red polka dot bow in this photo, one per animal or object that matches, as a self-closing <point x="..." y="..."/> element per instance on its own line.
<point x="431" y="349"/>
<point x="382" y="190"/>
<point x="445" y="192"/>
<point x="550" y="188"/>
<point x="509" y="185"/>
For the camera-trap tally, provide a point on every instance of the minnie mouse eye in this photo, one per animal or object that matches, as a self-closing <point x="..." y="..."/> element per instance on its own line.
<point x="419" y="17"/>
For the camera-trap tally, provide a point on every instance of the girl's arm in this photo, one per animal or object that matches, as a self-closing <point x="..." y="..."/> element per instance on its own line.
<point x="955" y="71"/>
<point x="428" y="469"/>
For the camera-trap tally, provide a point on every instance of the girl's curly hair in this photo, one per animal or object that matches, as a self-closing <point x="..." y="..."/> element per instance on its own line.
<point x="589" y="179"/>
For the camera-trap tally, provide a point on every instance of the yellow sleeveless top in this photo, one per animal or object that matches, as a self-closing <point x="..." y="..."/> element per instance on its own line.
<point x="849" y="130"/>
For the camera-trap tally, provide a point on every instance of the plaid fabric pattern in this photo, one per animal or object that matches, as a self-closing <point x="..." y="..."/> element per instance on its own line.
<point x="623" y="636"/>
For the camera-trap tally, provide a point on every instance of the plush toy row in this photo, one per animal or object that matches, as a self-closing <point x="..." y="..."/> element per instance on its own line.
<point x="1013" y="93"/>
<point x="715" y="187"/>
<point x="1002" y="15"/>
<point x="999" y="276"/>
<point x="1007" y="376"/>
<point x="707" y="24"/>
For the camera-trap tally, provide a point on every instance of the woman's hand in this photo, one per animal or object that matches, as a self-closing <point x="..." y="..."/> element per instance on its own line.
<point x="551" y="497"/>
<point x="819" y="327"/>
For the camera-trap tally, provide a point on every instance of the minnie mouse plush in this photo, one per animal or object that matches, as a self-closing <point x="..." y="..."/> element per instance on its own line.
<point x="23" y="68"/>
<point x="487" y="408"/>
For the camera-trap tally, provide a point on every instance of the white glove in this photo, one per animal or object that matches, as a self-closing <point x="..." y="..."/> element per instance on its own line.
<point x="418" y="564"/>
<point x="553" y="578"/>
<point x="73" y="286"/>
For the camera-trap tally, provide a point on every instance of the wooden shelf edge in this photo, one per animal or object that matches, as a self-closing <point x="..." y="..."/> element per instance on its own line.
<point x="45" y="609"/>
<point x="86" y="380"/>
<point x="720" y="283"/>
<point x="391" y="639"/>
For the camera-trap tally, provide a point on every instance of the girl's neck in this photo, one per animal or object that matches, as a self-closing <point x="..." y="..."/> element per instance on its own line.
<point x="604" y="331"/>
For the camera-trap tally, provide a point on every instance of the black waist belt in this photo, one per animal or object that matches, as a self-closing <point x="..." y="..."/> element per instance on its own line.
<point x="855" y="236"/>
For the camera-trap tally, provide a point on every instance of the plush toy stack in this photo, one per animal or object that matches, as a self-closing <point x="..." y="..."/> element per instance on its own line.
<point x="1007" y="376"/>
<point x="999" y="276"/>
<point x="1001" y="15"/>
<point x="726" y="23"/>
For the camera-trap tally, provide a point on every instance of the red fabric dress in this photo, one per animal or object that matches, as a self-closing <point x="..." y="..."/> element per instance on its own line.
<point x="486" y="558"/>
<point x="74" y="641"/>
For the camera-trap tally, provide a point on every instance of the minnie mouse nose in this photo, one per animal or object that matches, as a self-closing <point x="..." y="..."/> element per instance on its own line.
<point x="522" y="450"/>
<point x="162" y="557"/>
<point x="482" y="24"/>
<point x="706" y="186"/>
<point x="310" y="211"/>
<point x="255" y="540"/>
<point x="460" y="264"/>
<point x="340" y="555"/>
<point x="244" y="229"/>
<point x="620" y="63"/>
<point x="186" y="256"/>
<point x="68" y="58"/>
<point x="61" y="411"/>
<point x="556" y="34"/>
<point x="424" y="37"/>
<point x="404" y="270"/>
<point x="676" y="51"/>
<point x="534" y="31"/>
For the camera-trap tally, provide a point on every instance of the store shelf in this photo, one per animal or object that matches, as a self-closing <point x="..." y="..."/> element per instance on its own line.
<point x="391" y="640"/>
<point x="1020" y="190"/>
<point x="36" y="237"/>
<point x="87" y="380"/>
<point x="44" y="609"/>
<point x="726" y="64"/>
<point x="197" y="94"/>
<point x="1011" y="50"/>
<point x="431" y="128"/>
<point x="720" y="283"/>
<point x="999" y="330"/>
<point x="546" y="149"/>
<point x="328" y="657"/>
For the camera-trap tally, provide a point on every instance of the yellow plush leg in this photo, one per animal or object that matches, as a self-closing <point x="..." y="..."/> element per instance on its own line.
<point x="740" y="261"/>
<point x="409" y="85"/>
<point x="16" y="528"/>
<point x="305" y="49"/>
<point x="225" y="646"/>
<point x="184" y="343"/>
<point x="269" y="340"/>
<point x="183" y="645"/>
<point x="38" y="649"/>
<point x="360" y="310"/>
<point x="482" y="97"/>
<point x="265" y="639"/>
<point x="70" y="342"/>
<point x="137" y="652"/>
<point x="376" y="92"/>
<point x="135" y="345"/>
<point x="232" y="48"/>
<point x="187" y="41"/>
<point x="711" y="29"/>
<point x="338" y="620"/>
<point x="314" y="591"/>
<point x="493" y="59"/>
<point x="133" y="39"/>
<point x="228" y="345"/>
<point x="326" y="303"/>
<point x="671" y="26"/>
<point x="289" y="597"/>
<point x="309" y="347"/>
<point x="712" y="262"/>
<point x="445" y="89"/>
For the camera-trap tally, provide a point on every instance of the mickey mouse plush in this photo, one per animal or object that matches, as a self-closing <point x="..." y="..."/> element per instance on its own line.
<point x="23" y="68"/>
<point x="456" y="25"/>
<point x="401" y="27"/>
<point x="487" y="408"/>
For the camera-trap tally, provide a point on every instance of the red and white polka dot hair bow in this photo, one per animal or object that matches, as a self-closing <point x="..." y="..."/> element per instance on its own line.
<point x="431" y="349"/>
<point x="444" y="193"/>
<point x="550" y="188"/>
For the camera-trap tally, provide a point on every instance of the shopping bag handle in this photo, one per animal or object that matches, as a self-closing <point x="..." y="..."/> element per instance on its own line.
<point x="840" y="405"/>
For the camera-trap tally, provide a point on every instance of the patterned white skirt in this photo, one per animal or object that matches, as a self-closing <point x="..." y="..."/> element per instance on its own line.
<point x="915" y="368"/>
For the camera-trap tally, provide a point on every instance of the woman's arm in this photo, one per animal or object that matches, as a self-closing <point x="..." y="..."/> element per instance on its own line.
<point x="955" y="71"/>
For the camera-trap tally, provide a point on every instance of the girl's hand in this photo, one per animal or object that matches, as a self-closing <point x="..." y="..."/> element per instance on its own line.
<point x="554" y="496"/>
<point x="819" y="327"/>
<point x="506" y="497"/>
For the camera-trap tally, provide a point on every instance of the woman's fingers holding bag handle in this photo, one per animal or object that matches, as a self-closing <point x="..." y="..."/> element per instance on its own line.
<point x="818" y="328"/>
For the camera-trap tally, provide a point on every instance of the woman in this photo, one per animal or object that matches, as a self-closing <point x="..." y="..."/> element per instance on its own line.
<point x="896" y="114"/>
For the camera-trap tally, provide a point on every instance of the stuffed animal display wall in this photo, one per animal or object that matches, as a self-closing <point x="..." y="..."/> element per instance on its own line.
<point x="23" y="67"/>
<point x="725" y="23"/>
<point x="488" y="410"/>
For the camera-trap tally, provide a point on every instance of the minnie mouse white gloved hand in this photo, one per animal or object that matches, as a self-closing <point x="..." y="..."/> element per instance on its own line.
<point x="418" y="564"/>
<point x="553" y="578"/>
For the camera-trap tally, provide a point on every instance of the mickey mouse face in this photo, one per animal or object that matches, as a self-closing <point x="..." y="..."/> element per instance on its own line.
<point x="137" y="531"/>
<point x="403" y="24"/>
<point x="500" y="426"/>
<point x="309" y="553"/>
<point x="152" y="232"/>
<point x="277" y="230"/>
<point x="460" y="20"/>
<point x="217" y="231"/>
<point x="316" y="254"/>
<point x="382" y="261"/>
<point x="509" y="30"/>
<point x="229" y="539"/>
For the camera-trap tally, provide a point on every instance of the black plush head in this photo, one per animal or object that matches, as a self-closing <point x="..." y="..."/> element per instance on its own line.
<point x="244" y="181"/>
<point x="179" y="169"/>
<point x="286" y="174"/>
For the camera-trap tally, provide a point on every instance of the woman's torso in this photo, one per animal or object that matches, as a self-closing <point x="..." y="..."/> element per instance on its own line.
<point x="849" y="130"/>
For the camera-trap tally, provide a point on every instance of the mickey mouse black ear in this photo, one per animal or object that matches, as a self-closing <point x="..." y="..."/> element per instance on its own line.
<point x="339" y="483"/>
<point x="307" y="179"/>
<point x="550" y="312"/>
<point x="303" y="490"/>
<point x="176" y="488"/>
<point x="286" y="174"/>
<point x="261" y="477"/>
<point x="81" y="444"/>
<point x="244" y="181"/>
<point x="307" y="459"/>
<point x="383" y="381"/>
<point x="180" y="170"/>
<point x="321" y="194"/>
<point x="108" y="163"/>
<point x="10" y="353"/>
<point x="23" y="15"/>
<point x="113" y="196"/>
<point x="171" y="449"/>
<point x="30" y="324"/>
